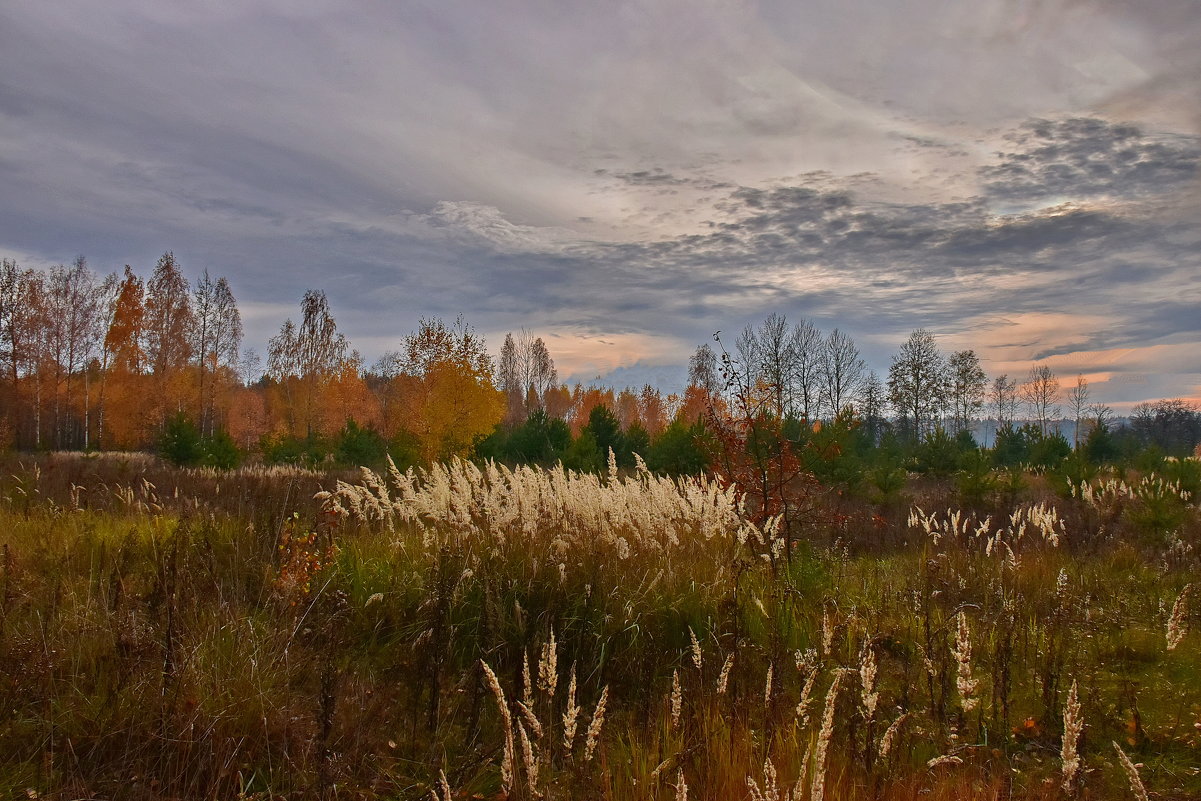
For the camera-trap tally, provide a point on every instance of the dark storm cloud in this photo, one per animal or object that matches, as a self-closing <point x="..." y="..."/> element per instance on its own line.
<point x="656" y="177"/>
<point x="1083" y="157"/>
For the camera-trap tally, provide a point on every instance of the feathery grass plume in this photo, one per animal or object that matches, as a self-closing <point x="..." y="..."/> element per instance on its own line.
<point x="681" y="786"/>
<point x="945" y="759"/>
<point x="962" y="652"/>
<point x="818" y="788"/>
<point x="1178" y="621"/>
<point x="571" y="714"/>
<point x="798" y="788"/>
<point x="527" y="684"/>
<point x="771" y="788"/>
<point x="506" y="765"/>
<point x="767" y="687"/>
<point x="696" y="649"/>
<point x="723" y="680"/>
<point x="890" y="735"/>
<point x="677" y="699"/>
<point x="528" y="759"/>
<point x="444" y="786"/>
<point x="827" y="633"/>
<point x="548" y="667"/>
<point x="802" y="707"/>
<point x="867" y="678"/>
<point x="1136" y="783"/>
<point x="592" y="737"/>
<point x="530" y="719"/>
<point x="1073" y="725"/>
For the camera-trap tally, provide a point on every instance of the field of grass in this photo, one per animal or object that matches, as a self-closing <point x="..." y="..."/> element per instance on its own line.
<point x="480" y="632"/>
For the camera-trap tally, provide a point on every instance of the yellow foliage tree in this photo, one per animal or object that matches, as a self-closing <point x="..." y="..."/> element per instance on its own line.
<point x="447" y="399"/>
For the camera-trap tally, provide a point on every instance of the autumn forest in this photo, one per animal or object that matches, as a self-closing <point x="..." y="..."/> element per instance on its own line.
<point x="122" y="362"/>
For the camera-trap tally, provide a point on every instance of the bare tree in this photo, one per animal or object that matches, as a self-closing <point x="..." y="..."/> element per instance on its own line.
<point x="702" y="370"/>
<point x="1078" y="401"/>
<point x="918" y="382"/>
<point x="106" y="294"/>
<point x="310" y="354"/>
<point x="525" y="373"/>
<point x="227" y="327"/>
<point x="1003" y="399"/>
<point x="1040" y="393"/>
<point x="769" y="355"/>
<point x="250" y="366"/>
<point x="841" y="369"/>
<point x="543" y="375"/>
<point x="508" y="377"/>
<point x="20" y="319"/>
<point x="968" y="388"/>
<point x="168" y="317"/>
<point x="71" y="310"/>
<point x="168" y="327"/>
<point x="805" y="378"/>
<point x="217" y="342"/>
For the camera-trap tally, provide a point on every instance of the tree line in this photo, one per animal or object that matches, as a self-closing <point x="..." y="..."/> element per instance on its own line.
<point x="101" y="362"/>
<point x="118" y="362"/>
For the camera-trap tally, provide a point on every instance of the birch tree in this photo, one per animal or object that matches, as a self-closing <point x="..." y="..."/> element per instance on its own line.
<point x="1040" y="393"/>
<point x="918" y="382"/>
<point x="841" y="369"/>
<point x="968" y="388"/>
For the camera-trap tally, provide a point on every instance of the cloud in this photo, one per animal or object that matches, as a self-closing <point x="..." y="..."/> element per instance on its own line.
<point x="641" y="175"/>
<point x="1083" y="157"/>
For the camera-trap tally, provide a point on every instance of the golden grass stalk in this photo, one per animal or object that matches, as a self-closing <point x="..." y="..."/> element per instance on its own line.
<point x="1073" y="725"/>
<point x="1178" y="621"/>
<point x="443" y="786"/>
<point x="506" y="765"/>
<point x="827" y="633"/>
<point x="571" y="714"/>
<point x="528" y="758"/>
<point x="824" y="736"/>
<point x="798" y="788"/>
<point x="677" y="699"/>
<point x="527" y="684"/>
<point x="548" y="667"/>
<point x="867" y="680"/>
<point x="723" y="680"/>
<point x="530" y="719"/>
<point x="1136" y="783"/>
<point x="802" y="707"/>
<point x="890" y="735"/>
<point x="962" y="652"/>
<point x="592" y="736"/>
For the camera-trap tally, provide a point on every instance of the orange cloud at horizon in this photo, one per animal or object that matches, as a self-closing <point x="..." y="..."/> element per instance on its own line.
<point x="591" y="354"/>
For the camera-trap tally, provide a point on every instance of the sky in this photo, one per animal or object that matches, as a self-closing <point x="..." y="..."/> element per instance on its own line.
<point x="625" y="179"/>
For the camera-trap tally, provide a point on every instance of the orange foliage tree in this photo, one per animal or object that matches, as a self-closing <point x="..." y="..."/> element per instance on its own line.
<point x="123" y="392"/>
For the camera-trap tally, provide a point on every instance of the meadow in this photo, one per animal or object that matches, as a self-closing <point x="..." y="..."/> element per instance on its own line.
<point x="478" y="631"/>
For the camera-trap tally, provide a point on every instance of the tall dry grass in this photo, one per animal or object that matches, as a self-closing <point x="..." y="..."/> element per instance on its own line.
<point x="482" y="631"/>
